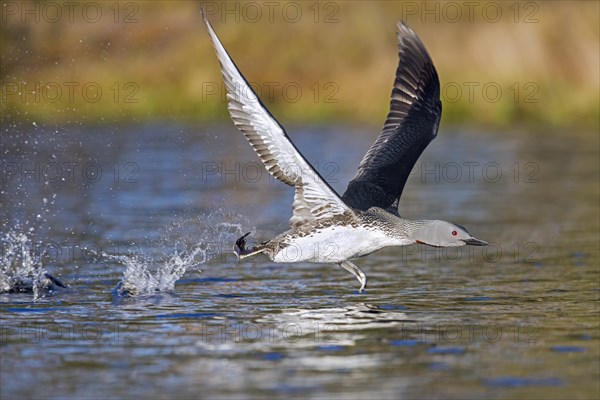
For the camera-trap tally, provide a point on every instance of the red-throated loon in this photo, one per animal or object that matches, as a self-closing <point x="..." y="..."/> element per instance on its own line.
<point x="326" y="227"/>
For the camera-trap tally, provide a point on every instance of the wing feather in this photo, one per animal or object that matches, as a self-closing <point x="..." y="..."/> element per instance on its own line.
<point x="314" y="198"/>
<point x="412" y="123"/>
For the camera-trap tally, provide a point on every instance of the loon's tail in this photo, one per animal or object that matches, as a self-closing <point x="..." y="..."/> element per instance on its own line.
<point x="242" y="252"/>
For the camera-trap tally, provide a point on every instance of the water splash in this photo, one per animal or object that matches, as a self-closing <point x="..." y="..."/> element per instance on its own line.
<point x="158" y="269"/>
<point x="21" y="268"/>
<point x="144" y="275"/>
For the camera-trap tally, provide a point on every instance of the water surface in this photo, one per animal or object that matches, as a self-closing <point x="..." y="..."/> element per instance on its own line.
<point x="158" y="207"/>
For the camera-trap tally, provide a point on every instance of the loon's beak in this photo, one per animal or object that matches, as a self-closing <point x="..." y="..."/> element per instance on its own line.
<point x="475" y="242"/>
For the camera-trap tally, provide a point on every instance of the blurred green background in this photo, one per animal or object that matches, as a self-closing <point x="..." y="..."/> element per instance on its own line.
<point x="501" y="64"/>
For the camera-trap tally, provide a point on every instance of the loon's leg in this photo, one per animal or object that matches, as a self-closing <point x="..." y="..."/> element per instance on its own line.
<point x="354" y="270"/>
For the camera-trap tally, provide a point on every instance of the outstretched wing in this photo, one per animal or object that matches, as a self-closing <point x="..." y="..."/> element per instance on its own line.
<point x="314" y="198"/>
<point x="412" y="123"/>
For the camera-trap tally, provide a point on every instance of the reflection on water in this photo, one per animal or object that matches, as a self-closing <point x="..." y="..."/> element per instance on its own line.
<point x="157" y="208"/>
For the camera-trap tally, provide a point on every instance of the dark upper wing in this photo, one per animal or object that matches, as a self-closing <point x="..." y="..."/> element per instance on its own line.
<point x="415" y="111"/>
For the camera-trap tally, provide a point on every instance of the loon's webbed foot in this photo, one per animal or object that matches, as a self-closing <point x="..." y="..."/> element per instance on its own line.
<point x="54" y="280"/>
<point x="240" y="246"/>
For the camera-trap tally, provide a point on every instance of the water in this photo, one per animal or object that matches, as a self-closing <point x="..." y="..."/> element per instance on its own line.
<point x="139" y="221"/>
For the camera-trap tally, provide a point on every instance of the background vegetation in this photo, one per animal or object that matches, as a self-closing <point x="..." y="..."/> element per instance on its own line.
<point x="333" y="62"/>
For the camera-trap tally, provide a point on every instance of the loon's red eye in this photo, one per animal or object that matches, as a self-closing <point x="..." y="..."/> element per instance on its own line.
<point x="454" y="233"/>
